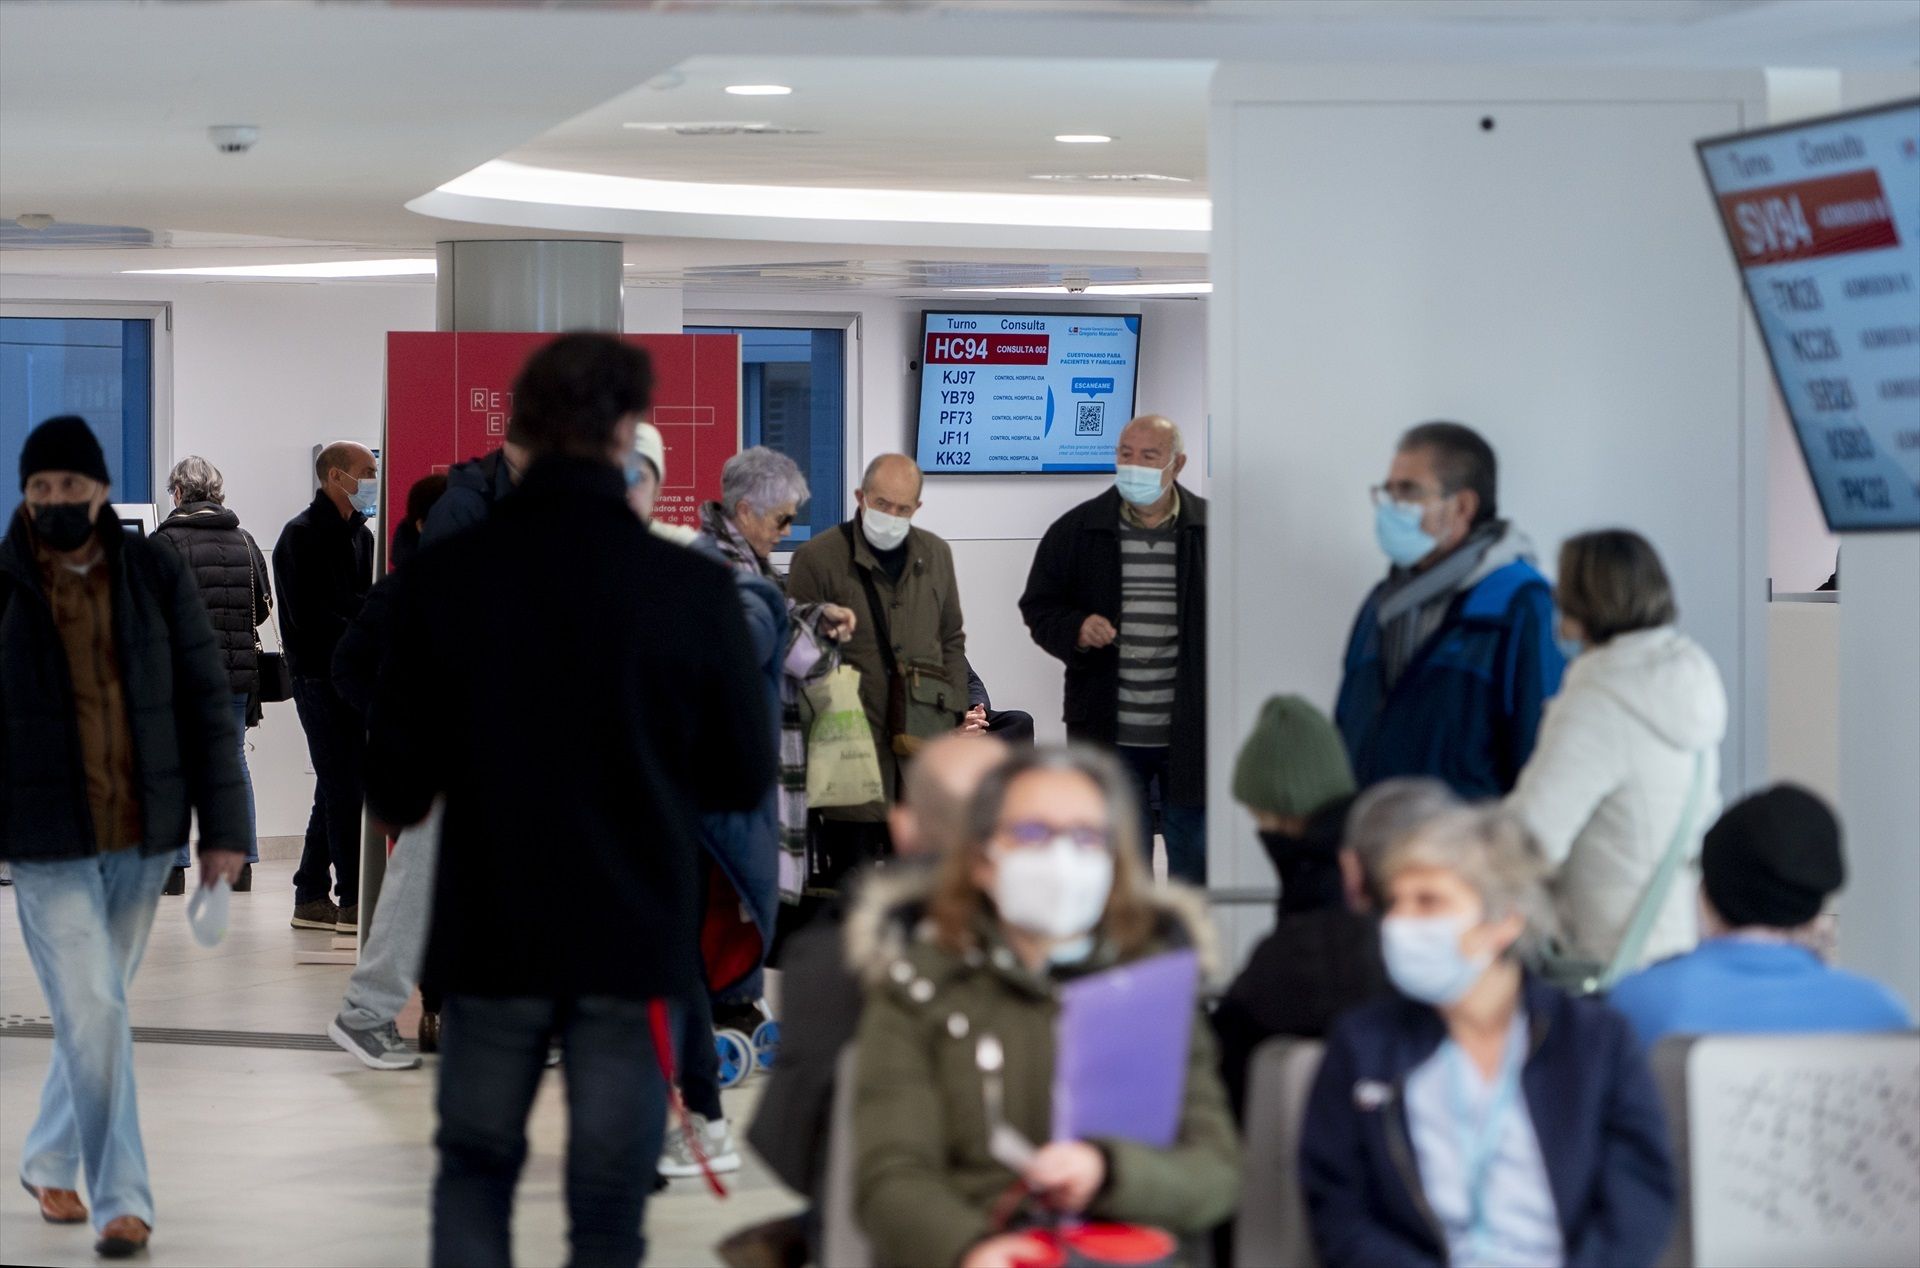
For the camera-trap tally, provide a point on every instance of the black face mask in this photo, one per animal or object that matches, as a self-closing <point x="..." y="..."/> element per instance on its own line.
<point x="63" y="526"/>
<point x="1310" y="877"/>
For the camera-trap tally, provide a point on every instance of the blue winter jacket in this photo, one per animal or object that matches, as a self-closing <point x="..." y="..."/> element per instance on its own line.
<point x="1594" y="1107"/>
<point x="744" y="846"/>
<point x="1467" y="709"/>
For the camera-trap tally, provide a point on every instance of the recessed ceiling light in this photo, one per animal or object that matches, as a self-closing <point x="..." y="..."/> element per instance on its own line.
<point x="324" y="268"/>
<point x="1107" y="178"/>
<point x="720" y="128"/>
<point x="1075" y="138"/>
<point x="759" y="90"/>
<point x="1096" y="288"/>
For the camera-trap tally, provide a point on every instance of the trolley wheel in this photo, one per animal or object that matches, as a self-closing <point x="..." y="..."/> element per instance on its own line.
<point x="736" y="1057"/>
<point x="766" y="1044"/>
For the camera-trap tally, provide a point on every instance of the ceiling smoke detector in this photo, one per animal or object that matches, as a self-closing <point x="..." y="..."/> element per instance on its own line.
<point x="233" y="138"/>
<point x="1111" y="178"/>
<point x="720" y="129"/>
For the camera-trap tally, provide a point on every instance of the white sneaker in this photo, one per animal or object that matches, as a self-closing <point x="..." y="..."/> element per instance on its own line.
<point x="716" y="1139"/>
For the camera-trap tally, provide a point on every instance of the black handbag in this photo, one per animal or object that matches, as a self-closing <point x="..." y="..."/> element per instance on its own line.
<point x="275" y="680"/>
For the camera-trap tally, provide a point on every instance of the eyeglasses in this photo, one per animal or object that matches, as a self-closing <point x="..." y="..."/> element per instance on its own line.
<point x="1404" y="492"/>
<point x="1031" y="834"/>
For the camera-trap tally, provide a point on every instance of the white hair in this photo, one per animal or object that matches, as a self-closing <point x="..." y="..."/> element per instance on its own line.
<point x="762" y="480"/>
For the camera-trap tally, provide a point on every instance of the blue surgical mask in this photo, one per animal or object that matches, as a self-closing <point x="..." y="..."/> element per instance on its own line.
<point x="632" y="469"/>
<point x="365" y="497"/>
<point x="1570" y="647"/>
<point x="1424" y="960"/>
<point x="1139" y="485"/>
<point x="1396" y="526"/>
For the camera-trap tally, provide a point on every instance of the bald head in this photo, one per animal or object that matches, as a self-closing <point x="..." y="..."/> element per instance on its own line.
<point x="343" y="455"/>
<point x="895" y="477"/>
<point x="938" y="786"/>
<point x="1155" y="436"/>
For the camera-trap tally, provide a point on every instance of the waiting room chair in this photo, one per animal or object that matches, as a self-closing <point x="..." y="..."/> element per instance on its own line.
<point x="1793" y="1149"/>
<point x="843" y="1244"/>
<point x="1272" y="1230"/>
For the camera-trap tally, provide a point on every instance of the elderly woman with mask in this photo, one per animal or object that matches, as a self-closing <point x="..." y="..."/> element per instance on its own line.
<point x="1480" y="1116"/>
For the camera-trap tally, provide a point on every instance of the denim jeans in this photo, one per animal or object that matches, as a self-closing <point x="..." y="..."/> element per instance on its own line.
<point x="85" y="922"/>
<point x="185" y="859"/>
<point x="337" y="741"/>
<point x="393" y="947"/>
<point x="1185" y="827"/>
<point x="493" y="1052"/>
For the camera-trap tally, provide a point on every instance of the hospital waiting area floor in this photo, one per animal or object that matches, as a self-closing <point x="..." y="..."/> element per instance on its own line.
<point x="270" y="1146"/>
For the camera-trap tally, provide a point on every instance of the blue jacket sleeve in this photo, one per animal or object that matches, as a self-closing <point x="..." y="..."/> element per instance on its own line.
<point x="458" y="509"/>
<point x="1633" y="1213"/>
<point x="1333" y="1176"/>
<point x="1534" y="667"/>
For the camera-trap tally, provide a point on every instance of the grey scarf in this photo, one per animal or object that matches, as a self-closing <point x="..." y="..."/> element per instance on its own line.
<point x="1414" y="604"/>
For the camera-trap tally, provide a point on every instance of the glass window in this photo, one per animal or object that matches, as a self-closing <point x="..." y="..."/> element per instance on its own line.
<point x="98" y="368"/>
<point x="794" y="399"/>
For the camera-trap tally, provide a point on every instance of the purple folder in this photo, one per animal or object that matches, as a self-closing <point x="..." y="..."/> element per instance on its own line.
<point x="1120" y="1069"/>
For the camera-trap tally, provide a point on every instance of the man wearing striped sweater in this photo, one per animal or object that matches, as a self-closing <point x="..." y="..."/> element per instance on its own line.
<point x="1118" y="594"/>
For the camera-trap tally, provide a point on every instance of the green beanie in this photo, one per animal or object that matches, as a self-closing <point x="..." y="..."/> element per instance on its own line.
<point x="1294" y="762"/>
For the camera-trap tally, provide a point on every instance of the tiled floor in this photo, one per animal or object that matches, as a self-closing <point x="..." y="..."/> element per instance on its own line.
<point x="266" y="1157"/>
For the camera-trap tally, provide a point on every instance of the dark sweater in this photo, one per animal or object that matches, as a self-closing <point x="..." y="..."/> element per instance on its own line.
<point x="323" y="566"/>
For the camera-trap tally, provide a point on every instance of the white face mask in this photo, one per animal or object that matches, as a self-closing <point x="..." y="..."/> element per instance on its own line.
<point x="884" y="532"/>
<point x="1424" y="959"/>
<point x="1058" y="890"/>
<point x="207" y="912"/>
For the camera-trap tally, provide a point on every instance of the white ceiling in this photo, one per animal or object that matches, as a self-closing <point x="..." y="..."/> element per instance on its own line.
<point x="367" y="107"/>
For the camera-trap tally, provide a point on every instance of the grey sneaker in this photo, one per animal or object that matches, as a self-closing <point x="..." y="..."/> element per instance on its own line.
<point x="716" y="1140"/>
<point x="381" y="1048"/>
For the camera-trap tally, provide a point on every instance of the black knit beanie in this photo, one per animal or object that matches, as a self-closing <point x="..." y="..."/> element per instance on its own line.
<point x="64" y="443"/>
<point x="1772" y="859"/>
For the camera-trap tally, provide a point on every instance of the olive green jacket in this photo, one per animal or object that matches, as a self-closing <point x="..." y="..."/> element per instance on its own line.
<point x="926" y="1183"/>
<point x="923" y="614"/>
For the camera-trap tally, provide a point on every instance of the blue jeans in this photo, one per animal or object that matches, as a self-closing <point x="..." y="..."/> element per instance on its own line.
<point x="1185" y="827"/>
<point x="183" y="858"/>
<point x="85" y="922"/>
<point x="493" y="1052"/>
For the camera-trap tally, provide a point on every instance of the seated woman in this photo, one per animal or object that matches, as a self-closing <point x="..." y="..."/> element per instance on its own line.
<point x="1046" y="885"/>
<point x="1480" y="1116"/>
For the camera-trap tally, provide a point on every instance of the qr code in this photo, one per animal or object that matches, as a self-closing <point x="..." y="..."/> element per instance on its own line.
<point x="1092" y="419"/>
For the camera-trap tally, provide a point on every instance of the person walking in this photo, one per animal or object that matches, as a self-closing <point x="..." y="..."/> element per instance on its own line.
<point x="1453" y="656"/>
<point x="608" y="731"/>
<point x="116" y="725"/>
<point x="1627" y="768"/>
<point x="232" y="575"/>
<point x="1118" y="594"/>
<point x="909" y="644"/>
<point x="324" y="566"/>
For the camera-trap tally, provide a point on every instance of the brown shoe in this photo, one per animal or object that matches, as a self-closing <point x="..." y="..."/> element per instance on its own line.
<point x="125" y="1236"/>
<point x="58" y="1206"/>
<point x="318" y="914"/>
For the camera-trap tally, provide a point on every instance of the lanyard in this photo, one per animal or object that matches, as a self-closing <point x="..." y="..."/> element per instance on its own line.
<point x="1480" y="1140"/>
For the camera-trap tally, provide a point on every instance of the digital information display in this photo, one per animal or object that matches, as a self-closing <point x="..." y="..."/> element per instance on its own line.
<point x="1024" y="392"/>
<point x="1824" y="217"/>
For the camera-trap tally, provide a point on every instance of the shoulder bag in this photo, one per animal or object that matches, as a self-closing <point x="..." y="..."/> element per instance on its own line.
<point x="917" y="706"/>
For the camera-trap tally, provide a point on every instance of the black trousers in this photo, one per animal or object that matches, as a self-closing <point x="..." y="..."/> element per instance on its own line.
<point x="493" y="1052"/>
<point x="337" y="742"/>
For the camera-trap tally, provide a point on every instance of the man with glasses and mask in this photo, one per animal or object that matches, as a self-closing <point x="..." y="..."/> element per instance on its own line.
<point x="1118" y="593"/>
<point x="909" y="643"/>
<point x="1453" y="655"/>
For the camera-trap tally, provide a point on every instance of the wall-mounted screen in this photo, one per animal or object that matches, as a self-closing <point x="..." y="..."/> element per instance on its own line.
<point x="1008" y="393"/>
<point x="1824" y="217"/>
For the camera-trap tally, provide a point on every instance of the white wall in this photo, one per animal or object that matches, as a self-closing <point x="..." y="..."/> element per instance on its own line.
<point x="1558" y="282"/>
<point x="994" y="522"/>
<point x="261" y="371"/>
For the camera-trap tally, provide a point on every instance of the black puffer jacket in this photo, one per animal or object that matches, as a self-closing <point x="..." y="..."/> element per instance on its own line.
<point x="186" y="755"/>
<point x="220" y="555"/>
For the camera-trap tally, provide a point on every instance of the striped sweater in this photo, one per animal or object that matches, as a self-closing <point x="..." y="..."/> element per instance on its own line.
<point x="1149" y="640"/>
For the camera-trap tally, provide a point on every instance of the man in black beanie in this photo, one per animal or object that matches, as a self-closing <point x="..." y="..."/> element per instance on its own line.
<point x="116" y="722"/>
<point x="1766" y="870"/>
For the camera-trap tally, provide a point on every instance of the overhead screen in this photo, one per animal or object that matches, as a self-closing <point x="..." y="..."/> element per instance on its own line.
<point x="1824" y="217"/>
<point x="1009" y="393"/>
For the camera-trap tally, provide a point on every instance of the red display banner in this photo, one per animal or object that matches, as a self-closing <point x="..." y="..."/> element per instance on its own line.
<point x="1808" y="219"/>
<point x="964" y="349"/>
<point x="450" y="394"/>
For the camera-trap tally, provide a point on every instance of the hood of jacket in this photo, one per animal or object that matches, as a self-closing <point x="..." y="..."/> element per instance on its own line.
<point x="1664" y="679"/>
<point x="887" y="920"/>
<point x="1509" y="545"/>
<point x="202" y="515"/>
